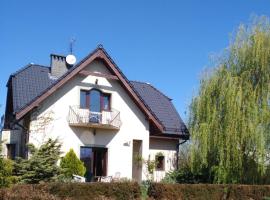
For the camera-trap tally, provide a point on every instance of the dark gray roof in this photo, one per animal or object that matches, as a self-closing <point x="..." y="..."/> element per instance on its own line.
<point x="28" y="83"/>
<point x="161" y="107"/>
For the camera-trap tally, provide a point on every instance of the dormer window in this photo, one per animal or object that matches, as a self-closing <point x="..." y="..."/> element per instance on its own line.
<point x="95" y="100"/>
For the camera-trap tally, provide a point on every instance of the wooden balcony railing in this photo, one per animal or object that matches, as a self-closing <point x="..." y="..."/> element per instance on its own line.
<point x="85" y="118"/>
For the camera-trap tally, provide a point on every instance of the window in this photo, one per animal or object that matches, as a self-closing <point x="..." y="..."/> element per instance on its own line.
<point x="106" y="102"/>
<point x="84" y="99"/>
<point x="11" y="151"/>
<point x="160" y="162"/>
<point x="95" y="100"/>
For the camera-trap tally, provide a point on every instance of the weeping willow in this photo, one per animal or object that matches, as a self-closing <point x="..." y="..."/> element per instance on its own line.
<point x="230" y="117"/>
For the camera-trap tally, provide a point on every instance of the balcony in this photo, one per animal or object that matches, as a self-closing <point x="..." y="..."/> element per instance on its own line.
<point x="79" y="117"/>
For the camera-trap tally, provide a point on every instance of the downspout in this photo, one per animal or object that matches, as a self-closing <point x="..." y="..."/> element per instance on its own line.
<point x="177" y="150"/>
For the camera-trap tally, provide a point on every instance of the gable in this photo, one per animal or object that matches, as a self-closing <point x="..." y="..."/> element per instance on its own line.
<point x="98" y="54"/>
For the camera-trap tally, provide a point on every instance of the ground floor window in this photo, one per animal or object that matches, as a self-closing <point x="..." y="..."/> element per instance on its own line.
<point x="95" y="161"/>
<point x="160" y="162"/>
<point x="11" y="151"/>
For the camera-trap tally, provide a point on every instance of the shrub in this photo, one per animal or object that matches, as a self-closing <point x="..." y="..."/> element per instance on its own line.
<point x="42" y="165"/>
<point x="71" y="164"/>
<point x="144" y="188"/>
<point x="73" y="191"/>
<point x="161" y="191"/>
<point x="6" y="168"/>
<point x="26" y="192"/>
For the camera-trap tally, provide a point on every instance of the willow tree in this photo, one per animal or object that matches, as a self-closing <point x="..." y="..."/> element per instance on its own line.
<point x="230" y="117"/>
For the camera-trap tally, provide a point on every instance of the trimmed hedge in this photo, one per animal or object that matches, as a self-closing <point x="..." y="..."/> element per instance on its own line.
<point x="73" y="191"/>
<point x="159" y="191"/>
<point x="131" y="190"/>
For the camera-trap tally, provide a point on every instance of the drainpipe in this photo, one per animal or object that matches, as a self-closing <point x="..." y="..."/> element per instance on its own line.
<point x="177" y="150"/>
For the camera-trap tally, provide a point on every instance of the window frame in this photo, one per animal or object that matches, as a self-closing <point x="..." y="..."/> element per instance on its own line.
<point x="162" y="168"/>
<point x="102" y="101"/>
<point x="102" y="96"/>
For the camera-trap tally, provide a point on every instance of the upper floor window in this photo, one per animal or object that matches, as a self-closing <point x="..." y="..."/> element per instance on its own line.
<point x="95" y="100"/>
<point x="106" y="101"/>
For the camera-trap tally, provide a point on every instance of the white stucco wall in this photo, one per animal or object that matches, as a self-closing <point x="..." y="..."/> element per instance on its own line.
<point x="168" y="148"/>
<point x="119" y="143"/>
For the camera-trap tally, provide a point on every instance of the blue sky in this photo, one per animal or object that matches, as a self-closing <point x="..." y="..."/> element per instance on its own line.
<point x="165" y="43"/>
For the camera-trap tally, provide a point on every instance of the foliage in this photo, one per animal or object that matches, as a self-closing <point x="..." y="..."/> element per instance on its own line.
<point x="151" y="164"/>
<point x="145" y="185"/>
<point x="73" y="191"/>
<point x="138" y="159"/>
<point x="42" y="165"/>
<point x="161" y="191"/>
<point x="229" y="118"/>
<point x="159" y="154"/>
<point x="6" y="167"/>
<point x="71" y="164"/>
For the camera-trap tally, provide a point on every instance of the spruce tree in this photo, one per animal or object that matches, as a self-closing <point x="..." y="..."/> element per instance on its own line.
<point x="42" y="164"/>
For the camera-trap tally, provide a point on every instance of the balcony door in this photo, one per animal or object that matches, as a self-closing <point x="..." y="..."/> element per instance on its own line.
<point x="95" y="106"/>
<point x="95" y="161"/>
<point x="95" y="101"/>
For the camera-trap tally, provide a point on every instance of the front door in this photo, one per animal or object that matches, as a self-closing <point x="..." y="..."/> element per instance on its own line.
<point x="95" y="161"/>
<point x="137" y="161"/>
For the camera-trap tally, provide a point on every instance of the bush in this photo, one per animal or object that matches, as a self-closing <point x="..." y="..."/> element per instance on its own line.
<point x="161" y="191"/>
<point x="26" y="192"/>
<point x="186" y="175"/>
<point x="42" y="165"/>
<point x="71" y="164"/>
<point x="73" y="191"/>
<point x="6" y="168"/>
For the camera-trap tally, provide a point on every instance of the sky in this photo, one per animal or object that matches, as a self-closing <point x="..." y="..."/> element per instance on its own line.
<point x="165" y="43"/>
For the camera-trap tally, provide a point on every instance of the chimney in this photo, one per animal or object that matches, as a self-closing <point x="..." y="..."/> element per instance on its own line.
<point x="59" y="65"/>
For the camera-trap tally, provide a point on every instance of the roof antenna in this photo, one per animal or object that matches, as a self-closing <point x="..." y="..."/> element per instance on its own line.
<point x="71" y="59"/>
<point x="71" y="45"/>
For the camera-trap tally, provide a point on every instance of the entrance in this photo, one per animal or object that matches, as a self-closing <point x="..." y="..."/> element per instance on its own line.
<point x="95" y="161"/>
<point x="137" y="161"/>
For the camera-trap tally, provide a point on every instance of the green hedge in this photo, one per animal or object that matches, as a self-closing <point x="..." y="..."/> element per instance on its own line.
<point x="131" y="190"/>
<point x="159" y="191"/>
<point x="72" y="191"/>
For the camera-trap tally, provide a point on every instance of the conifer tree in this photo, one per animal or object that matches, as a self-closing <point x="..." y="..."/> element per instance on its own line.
<point x="71" y="164"/>
<point x="42" y="164"/>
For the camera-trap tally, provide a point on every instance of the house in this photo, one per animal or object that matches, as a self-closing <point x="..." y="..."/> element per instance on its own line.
<point x="109" y="121"/>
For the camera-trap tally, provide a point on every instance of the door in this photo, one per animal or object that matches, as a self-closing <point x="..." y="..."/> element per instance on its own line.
<point x="95" y="161"/>
<point x="95" y="106"/>
<point x="137" y="161"/>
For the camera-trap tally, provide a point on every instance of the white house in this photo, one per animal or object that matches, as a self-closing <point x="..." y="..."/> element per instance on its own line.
<point x="91" y="107"/>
